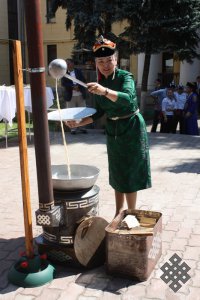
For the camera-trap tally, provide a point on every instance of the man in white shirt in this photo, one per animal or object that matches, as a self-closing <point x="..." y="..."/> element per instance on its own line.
<point x="181" y="98"/>
<point x="169" y="106"/>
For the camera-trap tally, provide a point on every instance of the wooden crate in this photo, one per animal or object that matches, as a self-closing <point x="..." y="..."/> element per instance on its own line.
<point x="133" y="255"/>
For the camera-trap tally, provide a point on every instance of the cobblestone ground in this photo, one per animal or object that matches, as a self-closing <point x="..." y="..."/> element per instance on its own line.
<point x="175" y="163"/>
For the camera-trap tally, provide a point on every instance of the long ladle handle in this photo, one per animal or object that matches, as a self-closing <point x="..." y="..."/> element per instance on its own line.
<point x="76" y="80"/>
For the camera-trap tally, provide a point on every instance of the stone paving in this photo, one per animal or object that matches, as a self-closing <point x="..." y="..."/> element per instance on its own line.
<point x="175" y="163"/>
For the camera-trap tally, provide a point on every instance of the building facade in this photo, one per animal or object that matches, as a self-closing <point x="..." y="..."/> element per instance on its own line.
<point x="58" y="43"/>
<point x="4" y="45"/>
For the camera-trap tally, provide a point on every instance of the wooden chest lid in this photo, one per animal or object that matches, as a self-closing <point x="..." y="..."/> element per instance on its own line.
<point x="89" y="242"/>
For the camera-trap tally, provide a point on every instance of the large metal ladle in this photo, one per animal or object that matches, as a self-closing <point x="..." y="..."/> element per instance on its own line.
<point x="82" y="176"/>
<point x="58" y="69"/>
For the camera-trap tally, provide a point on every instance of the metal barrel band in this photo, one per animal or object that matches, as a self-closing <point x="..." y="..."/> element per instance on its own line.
<point x="35" y="70"/>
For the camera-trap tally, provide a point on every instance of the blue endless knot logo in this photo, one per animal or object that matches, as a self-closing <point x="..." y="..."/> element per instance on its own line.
<point x="175" y="272"/>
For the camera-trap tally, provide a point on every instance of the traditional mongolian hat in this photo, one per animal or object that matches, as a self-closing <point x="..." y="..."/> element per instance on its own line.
<point x="103" y="47"/>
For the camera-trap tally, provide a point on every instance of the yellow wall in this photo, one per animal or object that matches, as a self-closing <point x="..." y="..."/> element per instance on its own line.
<point x="134" y="65"/>
<point x="117" y="29"/>
<point x="56" y="33"/>
<point x="176" y="71"/>
<point x="176" y="68"/>
<point x="4" y="47"/>
<point x="53" y="33"/>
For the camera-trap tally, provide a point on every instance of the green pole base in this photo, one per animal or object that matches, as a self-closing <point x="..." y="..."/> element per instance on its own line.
<point x="31" y="272"/>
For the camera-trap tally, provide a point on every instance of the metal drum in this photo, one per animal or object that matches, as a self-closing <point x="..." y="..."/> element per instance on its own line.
<point x="75" y="206"/>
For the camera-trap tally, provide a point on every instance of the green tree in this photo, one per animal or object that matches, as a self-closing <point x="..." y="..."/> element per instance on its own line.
<point x="90" y="17"/>
<point x="156" y="26"/>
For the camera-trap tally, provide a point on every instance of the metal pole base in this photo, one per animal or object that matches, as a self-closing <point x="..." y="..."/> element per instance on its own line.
<point x="31" y="272"/>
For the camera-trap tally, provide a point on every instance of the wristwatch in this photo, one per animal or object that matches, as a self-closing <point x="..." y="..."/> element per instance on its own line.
<point x="106" y="92"/>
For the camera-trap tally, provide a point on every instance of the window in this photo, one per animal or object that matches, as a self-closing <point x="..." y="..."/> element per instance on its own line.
<point x="49" y="14"/>
<point x="168" y="62"/>
<point x="51" y="53"/>
<point x="168" y="76"/>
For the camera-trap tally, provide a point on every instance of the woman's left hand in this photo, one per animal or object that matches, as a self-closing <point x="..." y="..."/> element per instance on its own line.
<point x="72" y="124"/>
<point x="96" y="88"/>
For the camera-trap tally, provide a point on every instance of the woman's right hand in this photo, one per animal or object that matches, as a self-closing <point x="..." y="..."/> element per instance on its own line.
<point x="79" y="123"/>
<point x="96" y="88"/>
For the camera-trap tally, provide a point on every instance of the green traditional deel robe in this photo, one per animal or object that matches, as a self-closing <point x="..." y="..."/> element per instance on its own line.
<point x="127" y="141"/>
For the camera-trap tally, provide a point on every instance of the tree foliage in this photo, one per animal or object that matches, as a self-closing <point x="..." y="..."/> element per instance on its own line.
<point x="156" y="26"/>
<point x="90" y="17"/>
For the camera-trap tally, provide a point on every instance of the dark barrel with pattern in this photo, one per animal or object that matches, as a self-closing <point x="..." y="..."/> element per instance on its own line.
<point x="75" y="206"/>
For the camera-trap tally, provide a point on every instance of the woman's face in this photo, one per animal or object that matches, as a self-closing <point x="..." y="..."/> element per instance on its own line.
<point x="106" y="65"/>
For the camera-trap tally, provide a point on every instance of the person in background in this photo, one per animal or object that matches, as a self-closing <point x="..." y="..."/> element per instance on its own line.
<point x="160" y="95"/>
<point x="198" y="91"/>
<point x="169" y="105"/>
<point x="74" y="94"/>
<point x="157" y="107"/>
<point x="198" y="84"/>
<point x="127" y="142"/>
<point x="179" y="118"/>
<point x="158" y="85"/>
<point x="191" y="110"/>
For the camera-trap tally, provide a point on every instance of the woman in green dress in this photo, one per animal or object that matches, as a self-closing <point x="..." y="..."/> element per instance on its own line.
<point x="127" y="142"/>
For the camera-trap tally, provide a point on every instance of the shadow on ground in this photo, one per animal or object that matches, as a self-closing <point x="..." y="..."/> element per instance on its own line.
<point x="192" y="166"/>
<point x="173" y="141"/>
<point x="92" y="137"/>
<point x="96" y="278"/>
<point x="10" y="254"/>
<point x="97" y="136"/>
<point x="14" y="142"/>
